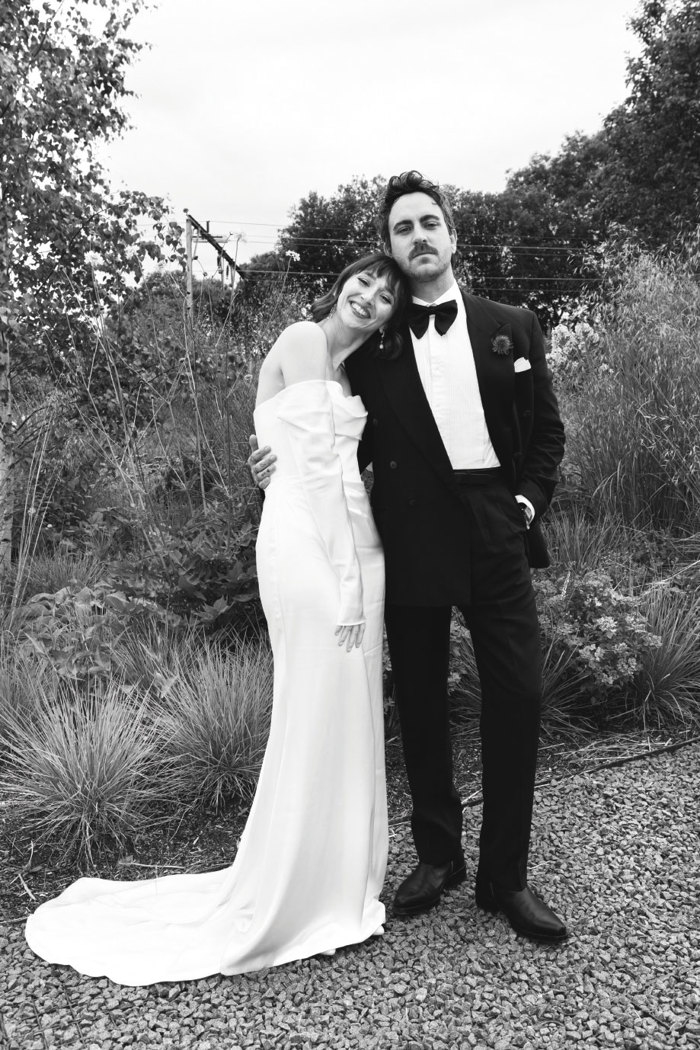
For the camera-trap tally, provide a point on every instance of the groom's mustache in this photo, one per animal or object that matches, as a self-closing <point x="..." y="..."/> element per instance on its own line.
<point x="422" y="249"/>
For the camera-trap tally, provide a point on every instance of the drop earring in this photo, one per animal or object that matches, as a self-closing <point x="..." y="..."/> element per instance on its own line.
<point x="381" y="340"/>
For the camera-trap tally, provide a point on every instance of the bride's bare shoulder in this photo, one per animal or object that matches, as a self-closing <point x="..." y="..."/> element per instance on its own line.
<point x="302" y="333"/>
<point x="301" y="352"/>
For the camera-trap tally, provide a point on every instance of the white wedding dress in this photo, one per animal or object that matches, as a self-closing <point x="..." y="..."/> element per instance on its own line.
<point x="310" y="866"/>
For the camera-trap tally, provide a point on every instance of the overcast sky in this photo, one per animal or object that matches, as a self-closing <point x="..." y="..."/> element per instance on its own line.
<point x="245" y="106"/>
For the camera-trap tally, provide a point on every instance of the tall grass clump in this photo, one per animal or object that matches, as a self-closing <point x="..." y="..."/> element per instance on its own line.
<point x="217" y="708"/>
<point x="668" y="686"/>
<point x="634" y="425"/>
<point x="84" y="767"/>
<point x="580" y="540"/>
<point x="23" y="680"/>
<point x="50" y="571"/>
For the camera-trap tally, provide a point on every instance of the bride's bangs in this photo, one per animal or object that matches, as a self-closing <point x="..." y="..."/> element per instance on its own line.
<point x="386" y="268"/>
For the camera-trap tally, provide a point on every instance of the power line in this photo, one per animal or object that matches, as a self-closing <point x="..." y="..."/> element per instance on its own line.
<point x="469" y="246"/>
<point x="553" y="244"/>
<point x="522" y="246"/>
<point x="502" y="277"/>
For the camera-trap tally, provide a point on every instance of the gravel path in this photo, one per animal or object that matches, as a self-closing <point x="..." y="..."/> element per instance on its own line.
<point x="615" y="852"/>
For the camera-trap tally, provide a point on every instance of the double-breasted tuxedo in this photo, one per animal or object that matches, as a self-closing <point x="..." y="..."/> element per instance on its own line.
<point x="449" y="545"/>
<point x="415" y="498"/>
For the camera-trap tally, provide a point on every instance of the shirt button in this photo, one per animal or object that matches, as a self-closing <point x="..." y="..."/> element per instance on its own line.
<point x="393" y="464"/>
<point x="375" y="422"/>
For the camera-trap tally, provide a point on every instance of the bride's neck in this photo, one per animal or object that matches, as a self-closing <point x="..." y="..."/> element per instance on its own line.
<point x="341" y="342"/>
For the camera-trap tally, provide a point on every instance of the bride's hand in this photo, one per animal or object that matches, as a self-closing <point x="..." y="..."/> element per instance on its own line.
<point x="351" y="637"/>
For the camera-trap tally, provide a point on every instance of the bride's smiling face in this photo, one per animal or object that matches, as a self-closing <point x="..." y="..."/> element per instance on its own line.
<point x="366" y="302"/>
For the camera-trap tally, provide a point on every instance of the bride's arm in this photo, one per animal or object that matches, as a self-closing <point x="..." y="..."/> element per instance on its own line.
<point x="307" y="410"/>
<point x="298" y="355"/>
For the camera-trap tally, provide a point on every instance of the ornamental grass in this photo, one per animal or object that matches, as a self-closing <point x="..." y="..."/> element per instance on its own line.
<point x="84" y="767"/>
<point x="216" y="711"/>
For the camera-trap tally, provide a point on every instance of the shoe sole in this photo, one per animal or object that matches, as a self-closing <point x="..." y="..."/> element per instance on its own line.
<point x="418" y="909"/>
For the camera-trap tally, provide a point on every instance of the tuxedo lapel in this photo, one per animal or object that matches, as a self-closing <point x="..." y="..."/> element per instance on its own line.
<point x="405" y="393"/>
<point x="494" y="372"/>
<point x="495" y="375"/>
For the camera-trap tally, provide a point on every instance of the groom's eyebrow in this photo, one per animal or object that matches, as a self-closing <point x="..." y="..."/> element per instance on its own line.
<point x="421" y="219"/>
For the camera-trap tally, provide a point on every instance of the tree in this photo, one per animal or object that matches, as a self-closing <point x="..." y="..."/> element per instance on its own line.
<point x="641" y="171"/>
<point x="67" y="242"/>
<point x="652" y="174"/>
<point x="324" y="234"/>
<point x="518" y="246"/>
<point x="554" y="213"/>
<point x="67" y="239"/>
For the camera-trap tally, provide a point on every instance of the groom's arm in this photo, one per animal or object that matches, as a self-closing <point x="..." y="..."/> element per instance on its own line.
<point x="364" y="449"/>
<point x="544" y="452"/>
<point x="261" y="462"/>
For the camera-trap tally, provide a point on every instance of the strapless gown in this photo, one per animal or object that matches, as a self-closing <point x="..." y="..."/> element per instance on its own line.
<point x="310" y="866"/>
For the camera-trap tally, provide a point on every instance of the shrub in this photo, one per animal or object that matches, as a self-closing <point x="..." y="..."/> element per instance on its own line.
<point x="216" y="706"/>
<point x="607" y="654"/>
<point x="205" y="571"/>
<point x="634" y="426"/>
<point x="75" y="629"/>
<point x="600" y="629"/>
<point x="668" y="685"/>
<point x="85" y="767"/>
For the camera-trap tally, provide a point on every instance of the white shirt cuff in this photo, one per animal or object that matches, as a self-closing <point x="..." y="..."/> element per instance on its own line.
<point x="530" y="510"/>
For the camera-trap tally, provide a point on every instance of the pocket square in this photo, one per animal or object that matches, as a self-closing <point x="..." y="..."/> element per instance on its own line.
<point x="521" y="364"/>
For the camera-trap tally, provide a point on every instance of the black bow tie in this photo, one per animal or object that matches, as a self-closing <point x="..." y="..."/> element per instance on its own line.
<point x="418" y="315"/>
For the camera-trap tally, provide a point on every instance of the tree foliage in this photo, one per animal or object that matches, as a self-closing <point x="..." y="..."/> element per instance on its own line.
<point x="68" y="242"/>
<point x="518" y="246"/>
<point x="641" y="171"/>
<point x="653" y="168"/>
<point x="324" y="233"/>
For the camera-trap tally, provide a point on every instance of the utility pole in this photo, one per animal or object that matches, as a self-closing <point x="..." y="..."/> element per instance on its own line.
<point x="188" y="256"/>
<point x="223" y="256"/>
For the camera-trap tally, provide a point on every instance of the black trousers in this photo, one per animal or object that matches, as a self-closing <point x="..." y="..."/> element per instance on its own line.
<point x="500" y="612"/>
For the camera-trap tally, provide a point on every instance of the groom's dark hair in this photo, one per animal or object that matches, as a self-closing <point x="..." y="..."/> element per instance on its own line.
<point x="411" y="182"/>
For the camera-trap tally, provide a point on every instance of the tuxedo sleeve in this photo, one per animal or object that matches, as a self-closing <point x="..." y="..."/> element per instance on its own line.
<point x="364" y="449"/>
<point x="544" y="445"/>
<point x="356" y="366"/>
<point x="308" y="413"/>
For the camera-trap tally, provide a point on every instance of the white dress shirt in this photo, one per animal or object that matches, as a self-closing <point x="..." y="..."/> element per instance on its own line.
<point x="448" y="374"/>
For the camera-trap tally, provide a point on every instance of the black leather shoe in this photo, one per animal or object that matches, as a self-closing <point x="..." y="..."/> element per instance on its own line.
<point x="425" y="885"/>
<point x="528" y="915"/>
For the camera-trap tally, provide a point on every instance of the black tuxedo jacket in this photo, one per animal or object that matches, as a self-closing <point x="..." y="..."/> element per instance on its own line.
<point x="417" y="506"/>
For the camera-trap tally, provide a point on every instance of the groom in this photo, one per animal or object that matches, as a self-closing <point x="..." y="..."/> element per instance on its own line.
<point x="465" y="438"/>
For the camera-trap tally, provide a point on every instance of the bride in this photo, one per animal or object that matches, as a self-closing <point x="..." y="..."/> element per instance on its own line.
<point x="310" y="866"/>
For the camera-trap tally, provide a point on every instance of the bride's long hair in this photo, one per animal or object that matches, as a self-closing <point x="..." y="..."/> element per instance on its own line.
<point x="387" y="343"/>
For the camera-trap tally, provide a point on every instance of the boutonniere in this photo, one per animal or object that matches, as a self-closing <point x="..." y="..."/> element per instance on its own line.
<point x="502" y="343"/>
